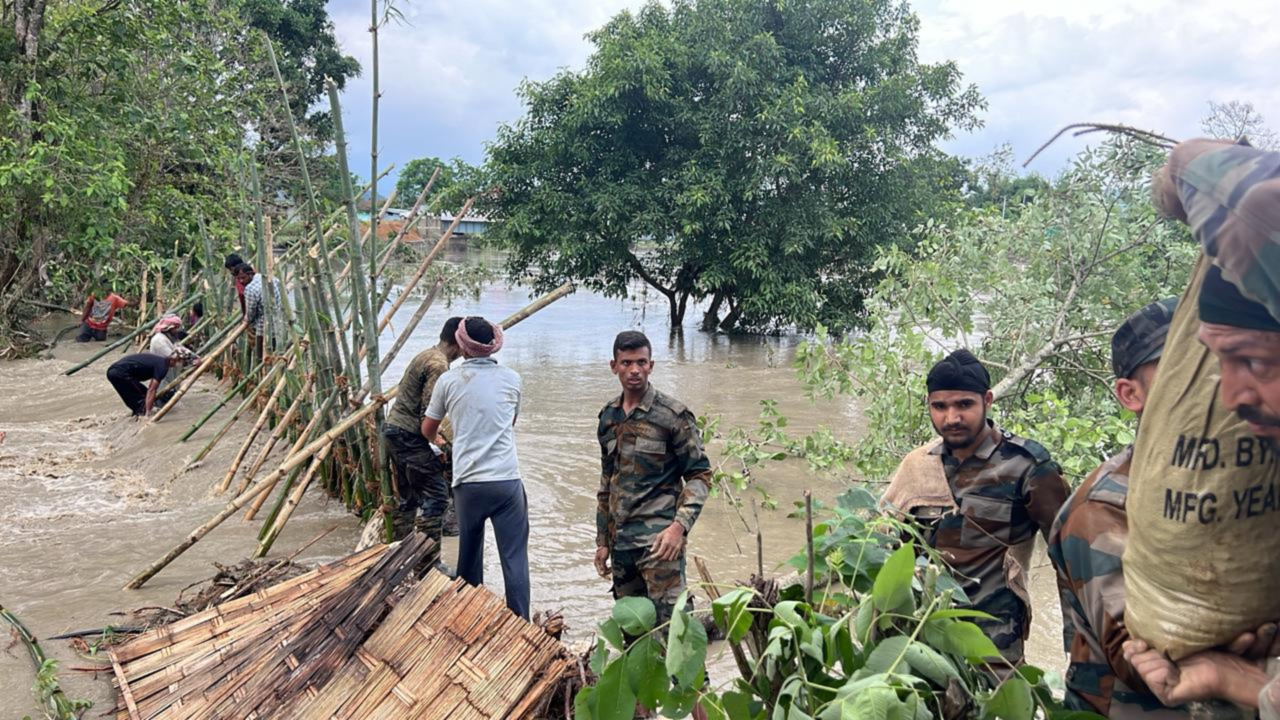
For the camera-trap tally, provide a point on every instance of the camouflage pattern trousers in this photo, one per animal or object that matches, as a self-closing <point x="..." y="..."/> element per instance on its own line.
<point x="421" y="482"/>
<point x="637" y="574"/>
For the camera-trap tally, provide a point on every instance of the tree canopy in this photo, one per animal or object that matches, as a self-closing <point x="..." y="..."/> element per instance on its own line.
<point x="1035" y="294"/>
<point x="455" y="176"/>
<point x="124" y="124"/>
<point x="746" y="152"/>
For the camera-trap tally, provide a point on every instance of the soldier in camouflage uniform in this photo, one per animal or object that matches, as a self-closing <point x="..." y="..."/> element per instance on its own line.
<point x="1229" y="194"/>
<point x="1001" y="489"/>
<point x="1088" y="539"/>
<point x="419" y="471"/>
<point x="655" y="478"/>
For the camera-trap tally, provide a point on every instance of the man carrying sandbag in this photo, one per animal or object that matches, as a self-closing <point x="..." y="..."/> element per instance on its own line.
<point x="1228" y="388"/>
<point x="1088" y="540"/>
<point x="982" y="494"/>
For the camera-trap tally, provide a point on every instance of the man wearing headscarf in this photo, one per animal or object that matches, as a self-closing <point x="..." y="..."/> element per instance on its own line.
<point x="982" y="493"/>
<point x="166" y="340"/>
<point x="481" y="399"/>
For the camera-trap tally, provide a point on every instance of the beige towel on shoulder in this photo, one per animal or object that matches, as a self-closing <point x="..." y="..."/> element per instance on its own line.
<point x="919" y="481"/>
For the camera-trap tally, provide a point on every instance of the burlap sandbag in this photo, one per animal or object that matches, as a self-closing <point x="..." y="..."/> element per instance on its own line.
<point x="1203" y="506"/>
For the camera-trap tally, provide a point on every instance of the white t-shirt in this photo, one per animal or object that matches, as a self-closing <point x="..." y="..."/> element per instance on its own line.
<point x="164" y="347"/>
<point x="481" y="399"/>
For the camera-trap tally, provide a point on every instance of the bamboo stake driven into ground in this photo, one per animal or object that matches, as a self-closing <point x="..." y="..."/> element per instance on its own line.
<point x="282" y="428"/>
<point x="244" y="405"/>
<point x="304" y="437"/>
<point x="268" y="408"/>
<point x="220" y="404"/>
<point x="262" y="486"/>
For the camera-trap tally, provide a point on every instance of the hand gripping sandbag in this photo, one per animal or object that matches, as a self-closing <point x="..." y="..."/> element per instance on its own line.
<point x="1203" y="506"/>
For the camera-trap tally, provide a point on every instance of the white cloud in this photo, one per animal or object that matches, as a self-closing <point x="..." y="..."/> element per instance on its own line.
<point x="1152" y="64"/>
<point x="449" y="74"/>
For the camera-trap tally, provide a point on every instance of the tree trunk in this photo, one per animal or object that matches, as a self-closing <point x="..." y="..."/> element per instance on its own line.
<point x="730" y="322"/>
<point x="677" y="310"/>
<point x="712" y="317"/>
<point x="681" y="304"/>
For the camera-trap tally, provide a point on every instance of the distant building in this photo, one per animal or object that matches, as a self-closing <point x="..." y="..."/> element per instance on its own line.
<point x="470" y="225"/>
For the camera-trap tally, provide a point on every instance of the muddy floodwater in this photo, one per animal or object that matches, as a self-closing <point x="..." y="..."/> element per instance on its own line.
<point x="88" y="497"/>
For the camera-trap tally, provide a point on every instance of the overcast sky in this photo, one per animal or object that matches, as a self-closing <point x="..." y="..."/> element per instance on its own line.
<point x="449" y="73"/>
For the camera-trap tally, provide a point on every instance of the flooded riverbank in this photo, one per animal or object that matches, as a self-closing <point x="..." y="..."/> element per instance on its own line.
<point x="90" y="497"/>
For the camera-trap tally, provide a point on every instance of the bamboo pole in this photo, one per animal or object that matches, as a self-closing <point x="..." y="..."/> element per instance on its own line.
<point x="281" y="428"/>
<point x="159" y="294"/>
<point x="267" y="410"/>
<point x="521" y="315"/>
<point x="190" y="382"/>
<point x="244" y="405"/>
<point x="295" y="497"/>
<point x="220" y="404"/>
<point x="219" y="297"/>
<point x="142" y="303"/>
<point x="125" y="340"/>
<point x="51" y="695"/>
<point x="325" y="263"/>
<point x="261" y="486"/>
<point x="304" y="437"/>
<point x="808" y="538"/>
<point x="359" y="289"/>
<point x="217" y="337"/>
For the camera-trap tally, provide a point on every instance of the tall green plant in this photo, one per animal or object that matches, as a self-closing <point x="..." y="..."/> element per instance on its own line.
<point x="886" y="637"/>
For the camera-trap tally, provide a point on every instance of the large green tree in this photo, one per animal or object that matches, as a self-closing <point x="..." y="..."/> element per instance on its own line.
<point x="122" y="123"/>
<point x="308" y="52"/>
<point x="456" y="178"/>
<point x="750" y="152"/>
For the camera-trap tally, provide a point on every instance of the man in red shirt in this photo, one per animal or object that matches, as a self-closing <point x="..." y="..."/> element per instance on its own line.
<point x="99" y="308"/>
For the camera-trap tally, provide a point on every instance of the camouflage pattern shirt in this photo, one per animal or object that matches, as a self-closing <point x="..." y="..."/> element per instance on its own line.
<point x="1086" y="546"/>
<point x="1230" y="196"/>
<point x="1007" y="490"/>
<point x="653" y="471"/>
<point x="415" y="389"/>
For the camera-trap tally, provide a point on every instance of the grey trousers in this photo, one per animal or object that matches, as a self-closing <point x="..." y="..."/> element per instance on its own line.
<point x="504" y="504"/>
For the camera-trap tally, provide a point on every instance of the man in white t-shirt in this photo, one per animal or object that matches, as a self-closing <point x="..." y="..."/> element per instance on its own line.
<point x="482" y="400"/>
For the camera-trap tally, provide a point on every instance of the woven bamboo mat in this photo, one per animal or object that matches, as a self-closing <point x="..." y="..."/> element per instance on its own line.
<point x="357" y="638"/>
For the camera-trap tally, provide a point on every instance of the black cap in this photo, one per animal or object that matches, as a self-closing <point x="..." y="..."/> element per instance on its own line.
<point x="1140" y="339"/>
<point x="959" y="371"/>
<point x="1221" y="303"/>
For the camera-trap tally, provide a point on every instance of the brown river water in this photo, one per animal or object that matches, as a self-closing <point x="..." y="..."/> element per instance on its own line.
<point x="88" y="497"/>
